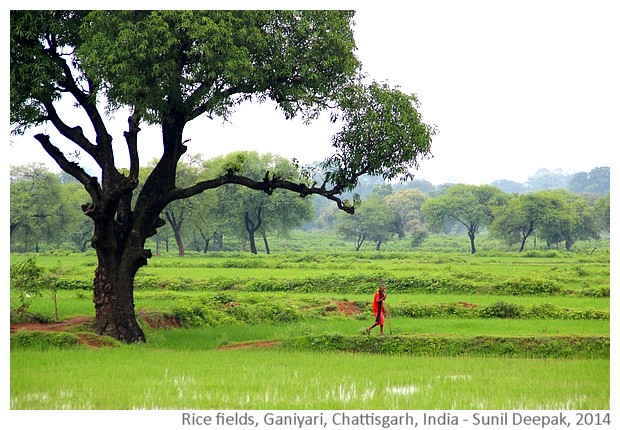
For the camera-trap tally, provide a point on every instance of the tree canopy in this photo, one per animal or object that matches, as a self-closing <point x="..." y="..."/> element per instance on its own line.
<point x="468" y="205"/>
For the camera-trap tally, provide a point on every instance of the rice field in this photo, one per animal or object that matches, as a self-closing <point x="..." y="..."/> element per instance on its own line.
<point x="144" y="377"/>
<point x="188" y="367"/>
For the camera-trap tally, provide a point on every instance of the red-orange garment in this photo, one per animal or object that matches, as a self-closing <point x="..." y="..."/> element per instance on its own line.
<point x="377" y="307"/>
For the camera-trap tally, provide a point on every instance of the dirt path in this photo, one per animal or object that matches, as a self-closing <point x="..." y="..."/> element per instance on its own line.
<point x="59" y="326"/>
<point x="251" y="344"/>
<point x="95" y="341"/>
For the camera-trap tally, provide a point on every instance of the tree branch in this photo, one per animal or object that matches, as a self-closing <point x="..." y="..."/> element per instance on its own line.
<point x="87" y="102"/>
<point x="202" y="108"/>
<point x="131" y="137"/>
<point x="267" y="185"/>
<point x="90" y="183"/>
<point x="74" y="134"/>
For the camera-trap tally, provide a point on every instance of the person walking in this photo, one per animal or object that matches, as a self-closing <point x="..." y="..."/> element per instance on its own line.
<point x="378" y="309"/>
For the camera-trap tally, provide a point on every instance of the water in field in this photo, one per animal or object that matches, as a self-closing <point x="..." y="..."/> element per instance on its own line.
<point x="132" y="378"/>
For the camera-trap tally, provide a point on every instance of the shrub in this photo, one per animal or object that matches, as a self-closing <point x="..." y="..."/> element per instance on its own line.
<point x="502" y="309"/>
<point x="530" y="347"/>
<point x="43" y="340"/>
<point x="529" y="286"/>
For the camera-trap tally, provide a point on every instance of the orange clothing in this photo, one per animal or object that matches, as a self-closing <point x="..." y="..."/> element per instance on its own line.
<point x="377" y="307"/>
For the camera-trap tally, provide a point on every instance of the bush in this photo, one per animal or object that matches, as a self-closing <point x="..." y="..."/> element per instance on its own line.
<point x="529" y="286"/>
<point x="502" y="309"/>
<point x="43" y="340"/>
<point x="531" y="347"/>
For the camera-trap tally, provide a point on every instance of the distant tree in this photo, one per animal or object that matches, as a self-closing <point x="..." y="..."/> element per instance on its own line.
<point x="569" y="219"/>
<point x="509" y="186"/>
<point x="176" y="213"/>
<point x="326" y="218"/>
<point x="374" y="221"/>
<point x="164" y="236"/>
<point x="596" y="181"/>
<point x="519" y="219"/>
<point x="204" y="221"/>
<point x="407" y="205"/>
<point x="603" y="212"/>
<point x="418" y="184"/>
<point x="545" y="179"/>
<point x="75" y="226"/>
<point x="468" y="205"/>
<point x="365" y="186"/>
<point x="250" y="212"/>
<point x="34" y="206"/>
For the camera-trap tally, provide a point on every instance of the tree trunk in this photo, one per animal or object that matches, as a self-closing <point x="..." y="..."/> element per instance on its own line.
<point x="252" y="241"/>
<point x="218" y="241"/>
<point x="251" y="227"/>
<point x="526" y="235"/>
<point x="267" y="250"/>
<point x="176" y="228"/>
<point x="179" y="241"/>
<point x="360" y="240"/>
<point x="472" y="237"/>
<point x="114" y="305"/>
<point x="206" y="240"/>
<point x="522" y="247"/>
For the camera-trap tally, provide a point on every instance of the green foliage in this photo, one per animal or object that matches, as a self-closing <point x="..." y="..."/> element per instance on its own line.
<point x="576" y="347"/>
<point x="499" y="309"/>
<point x="383" y="135"/>
<point x="522" y="285"/>
<point x="31" y="280"/>
<point x="225" y="309"/>
<point x="464" y="206"/>
<point x="27" y="278"/>
<point x="195" y="313"/>
<point x="43" y="340"/>
<point x="502" y="309"/>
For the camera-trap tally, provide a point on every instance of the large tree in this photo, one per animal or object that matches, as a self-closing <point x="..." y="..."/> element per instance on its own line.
<point x="173" y="67"/>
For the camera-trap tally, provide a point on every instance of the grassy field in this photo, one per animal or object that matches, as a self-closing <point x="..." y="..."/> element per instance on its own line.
<point x="147" y="377"/>
<point x="224" y="300"/>
<point x="571" y="270"/>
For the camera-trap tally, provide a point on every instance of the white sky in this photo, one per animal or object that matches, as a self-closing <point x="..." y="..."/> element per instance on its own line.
<point x="512" y="87"/>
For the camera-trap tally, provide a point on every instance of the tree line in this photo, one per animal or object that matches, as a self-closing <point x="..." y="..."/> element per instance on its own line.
<point x="46" y="214"/>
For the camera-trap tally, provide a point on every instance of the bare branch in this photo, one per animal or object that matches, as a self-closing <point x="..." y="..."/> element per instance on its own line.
<point x="88" y="102"/>
<point x="131" y="137"/>
<point x="74" y="134"/>
<point x="267" y="185"/>
<point x="90" y="183"/>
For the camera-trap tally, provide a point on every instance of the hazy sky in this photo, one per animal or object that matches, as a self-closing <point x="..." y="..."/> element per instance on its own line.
<point x="512" y="87"/>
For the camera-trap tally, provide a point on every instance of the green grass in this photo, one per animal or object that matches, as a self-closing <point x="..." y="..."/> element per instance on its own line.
<point x="145" y="377"/>
<point x="572" y="270"/>
<point x="79" y="302"/>
<point x="205" y="338"/>
<point x="181" y="368"/>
